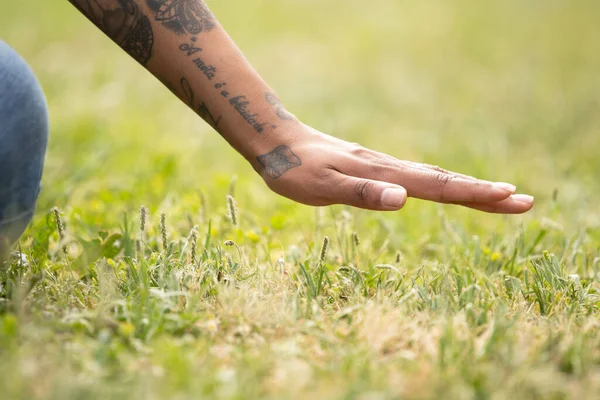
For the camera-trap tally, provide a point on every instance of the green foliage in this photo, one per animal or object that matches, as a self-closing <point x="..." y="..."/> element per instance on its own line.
<point x="220" y="289"/>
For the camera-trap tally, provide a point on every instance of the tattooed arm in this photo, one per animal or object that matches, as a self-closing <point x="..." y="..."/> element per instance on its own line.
<point x="181" y="42"/>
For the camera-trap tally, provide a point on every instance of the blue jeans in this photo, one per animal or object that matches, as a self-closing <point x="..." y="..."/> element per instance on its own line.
<point x="23" y="142"/>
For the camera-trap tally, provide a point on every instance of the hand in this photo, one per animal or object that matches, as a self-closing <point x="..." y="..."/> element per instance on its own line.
<point x="319" y="170"/>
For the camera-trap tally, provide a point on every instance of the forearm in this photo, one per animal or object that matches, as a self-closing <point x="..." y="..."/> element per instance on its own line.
<point x="183" y="45"/>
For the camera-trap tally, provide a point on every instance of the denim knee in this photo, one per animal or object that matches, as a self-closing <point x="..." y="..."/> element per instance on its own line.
<point x="23" y="142"/>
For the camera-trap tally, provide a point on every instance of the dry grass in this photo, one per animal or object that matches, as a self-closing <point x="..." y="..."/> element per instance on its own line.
<point x="432" y="302"/>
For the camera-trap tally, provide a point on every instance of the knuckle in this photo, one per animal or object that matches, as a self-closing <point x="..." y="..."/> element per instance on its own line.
<point x="324" y="175"/>
<point x="439" y="169"/>
<point x="443" y="179"/>
<point x="382" y="169"/>
<point x="323" y="182"/>
<point x="357" y="150"/>
<point x="362" y="189"/>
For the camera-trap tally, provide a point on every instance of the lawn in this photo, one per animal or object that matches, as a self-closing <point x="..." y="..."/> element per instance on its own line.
<point x="138" y="279"/>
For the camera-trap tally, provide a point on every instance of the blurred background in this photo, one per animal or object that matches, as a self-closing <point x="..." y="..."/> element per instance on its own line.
<point x="505" y="91"/>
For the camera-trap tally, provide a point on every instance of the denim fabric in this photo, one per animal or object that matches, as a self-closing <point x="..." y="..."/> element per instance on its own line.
<point x="23" y="141"/>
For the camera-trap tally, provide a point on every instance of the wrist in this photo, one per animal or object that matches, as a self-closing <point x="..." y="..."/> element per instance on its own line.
<point x="256" y="123"/>
<point x="286" y="133"/>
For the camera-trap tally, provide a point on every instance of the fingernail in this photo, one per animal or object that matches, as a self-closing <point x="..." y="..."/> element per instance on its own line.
<point x="505" y="186"/>
<point x="523" y="198"/>
<point x="393" y="198"/>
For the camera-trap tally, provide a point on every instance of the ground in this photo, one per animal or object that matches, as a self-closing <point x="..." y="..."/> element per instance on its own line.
<point x="430" y="302"/>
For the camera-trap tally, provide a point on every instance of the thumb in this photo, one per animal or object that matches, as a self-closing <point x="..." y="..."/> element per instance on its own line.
<point x="369" y="194"/>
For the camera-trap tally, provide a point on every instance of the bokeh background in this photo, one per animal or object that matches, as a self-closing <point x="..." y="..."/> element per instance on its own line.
<point x="501" y="90"/>
<point x="472" y="306"/>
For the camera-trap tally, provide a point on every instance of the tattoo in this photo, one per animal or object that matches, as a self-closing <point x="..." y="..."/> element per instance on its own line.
<point x="241" y="106"/>
<point x="201" y="109"/>
<point x="206" y="115"/>
<point x="220" y="86"/>
<point x="190" y="49"/>
<point x="280" y="110"/>
<point x="240" y="103"/>
<point x="279" y="161"/>
<point x="208" y="70"/>
<point x="183" y="16"/>
<point x="123" y="22"/>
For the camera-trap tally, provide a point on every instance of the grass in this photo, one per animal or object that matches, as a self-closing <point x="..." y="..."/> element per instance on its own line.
<point x="243" y="296"/>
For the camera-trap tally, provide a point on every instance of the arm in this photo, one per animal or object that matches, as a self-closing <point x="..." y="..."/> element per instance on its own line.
<point x="181" y="42"/>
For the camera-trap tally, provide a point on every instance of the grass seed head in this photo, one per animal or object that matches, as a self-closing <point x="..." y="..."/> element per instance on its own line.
<point x="355" y="239"/>
<point x="59" y="223"/>
<point x="194" y="244"/>
<point x="143" y="217"/>
<point x="324" y="250"/>
<point x="398" y="257"/>
<point x="232" y="209"/>
<point x="60" y="227"/>
<point x="163" y="230"/>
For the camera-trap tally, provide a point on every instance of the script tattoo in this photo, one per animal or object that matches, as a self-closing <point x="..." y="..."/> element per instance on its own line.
<point x="279" y="161"/>
<point x="123" y="22"/>
<point x="241" y="104"/>
<point x="201" y="108"/>
<point x="280" y="110"/>
<point x="183" y="16"/>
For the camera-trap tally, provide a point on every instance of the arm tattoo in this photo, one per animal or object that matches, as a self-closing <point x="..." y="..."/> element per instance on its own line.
<point x="123" y="22"/>
<point x="183" y="16"/>
<point x="279" y="161"/>
<point x="201" y="109"/>
<point x="280" y="110"/>
<point x="240" y="103"/>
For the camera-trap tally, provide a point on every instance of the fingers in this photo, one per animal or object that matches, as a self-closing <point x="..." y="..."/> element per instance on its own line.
<point x="515" y="204"/>
<point x="382" y="196"/>
<point x="442" y="170"/>
<point x="428" y="182"/>
<point x="442" y="186"/>
<point x="368" y="194"/>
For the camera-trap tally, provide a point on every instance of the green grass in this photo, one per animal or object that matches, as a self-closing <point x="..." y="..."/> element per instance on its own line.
<point x="430" y="302"/>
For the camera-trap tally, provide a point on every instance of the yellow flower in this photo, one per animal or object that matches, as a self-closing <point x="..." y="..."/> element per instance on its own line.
<point x="252" y="236"/>
<point x="126" y="329"/>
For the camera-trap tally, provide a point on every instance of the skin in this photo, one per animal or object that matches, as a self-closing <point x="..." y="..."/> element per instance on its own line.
<point x="183" y="45"/>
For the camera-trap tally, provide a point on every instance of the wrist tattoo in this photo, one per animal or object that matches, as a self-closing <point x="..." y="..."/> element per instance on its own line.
<point x="183" y="16"/>
<point x="123" y="22"/>
<point x="279" y="161"/>
<point x="280" y="110"/>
